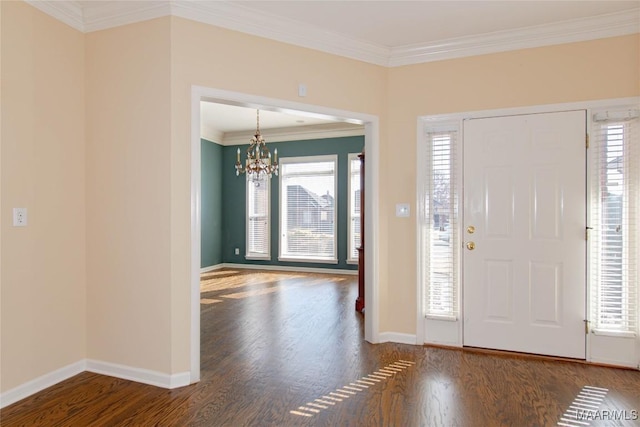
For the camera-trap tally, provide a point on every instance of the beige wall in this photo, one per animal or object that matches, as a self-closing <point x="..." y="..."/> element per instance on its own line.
<point x="135" y="81"/>
<point x="128" y="169"/>
<point x="43" y="264"/>
<point x="217" y="58"/>
<point x="600" y="69"/>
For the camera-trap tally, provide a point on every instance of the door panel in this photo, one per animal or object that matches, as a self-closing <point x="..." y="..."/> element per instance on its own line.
<point x="524" y="282"/>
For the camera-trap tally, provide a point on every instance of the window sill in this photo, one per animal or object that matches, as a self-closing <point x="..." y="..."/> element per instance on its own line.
<point x="352" y="261"/>
<point x="617" y="334"/>
<point x="443" y="317"/>
<point x="258" y="257"/>
<point x="314" y="260"/>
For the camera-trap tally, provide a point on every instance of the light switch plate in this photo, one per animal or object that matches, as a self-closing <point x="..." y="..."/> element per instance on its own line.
<point x="403" y="210"/>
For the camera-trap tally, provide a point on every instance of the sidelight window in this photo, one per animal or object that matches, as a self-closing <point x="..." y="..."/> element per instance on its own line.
<point x="438" y="224"/>
<point x="614" y="218"/>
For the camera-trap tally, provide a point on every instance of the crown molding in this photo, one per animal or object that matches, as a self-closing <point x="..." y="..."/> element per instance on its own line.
<point x="235" y="16"/>
<point x="298" y="133"/>
<point x="68" y="12"/>
<point x="104" y="15"/>
<point x="212" y="135"/>
<point x="603" y="26"/>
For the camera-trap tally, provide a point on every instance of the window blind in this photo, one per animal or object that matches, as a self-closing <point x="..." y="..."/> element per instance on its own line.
<point x="614" y="217"/>
<point x="258" y="230"/>
<point x="439" y="223"/>
<point x="308" y="208"/>
<point x="354" y="207"/>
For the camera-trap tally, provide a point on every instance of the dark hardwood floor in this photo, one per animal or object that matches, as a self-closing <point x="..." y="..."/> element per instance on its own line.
<point x="287" y="349"/>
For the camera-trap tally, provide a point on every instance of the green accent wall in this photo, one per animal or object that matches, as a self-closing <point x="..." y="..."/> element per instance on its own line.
<point x="211" y="202"/>
<point x="234" y="204"/>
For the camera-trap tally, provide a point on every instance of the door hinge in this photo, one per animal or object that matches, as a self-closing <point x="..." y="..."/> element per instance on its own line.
<point x="586" y="137"/>
<point x="586" y="327"/>
<point x="586" y="233"/>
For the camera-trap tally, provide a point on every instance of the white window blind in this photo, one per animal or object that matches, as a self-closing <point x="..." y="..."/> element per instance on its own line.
<point x="614" y="238"/>
<point x="354" y="207"/>
<point x="308" y="209"/>
<point x="439" y="222"/>
<point x="258" y="218"/>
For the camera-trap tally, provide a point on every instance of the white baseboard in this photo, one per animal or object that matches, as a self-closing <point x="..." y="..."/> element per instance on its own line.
<point x="211" y="268"/>
<point x="397" y="338"/>
<point x="291" y="268"/>
<point x="144" y="376"/>
<point x="42" y="382"/>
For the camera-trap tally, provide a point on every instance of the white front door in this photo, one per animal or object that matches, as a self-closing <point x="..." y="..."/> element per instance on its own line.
<point x="524" y="193"/>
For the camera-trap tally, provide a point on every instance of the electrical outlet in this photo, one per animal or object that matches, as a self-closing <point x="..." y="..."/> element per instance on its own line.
<point x="19" y="217"/>
<point x="237" y="251"/>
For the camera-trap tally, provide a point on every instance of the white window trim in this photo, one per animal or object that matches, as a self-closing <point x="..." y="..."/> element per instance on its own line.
<point x="351" y="260"/>
<point x="439" y="329"/>
<point x="309" y="159"/>
<point x="592" y="184"/>
<point x="425" y="229"/>
<point x="257" y="256"/>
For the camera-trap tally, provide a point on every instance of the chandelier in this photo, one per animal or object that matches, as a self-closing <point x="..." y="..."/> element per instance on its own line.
<point x="258" y="160"/>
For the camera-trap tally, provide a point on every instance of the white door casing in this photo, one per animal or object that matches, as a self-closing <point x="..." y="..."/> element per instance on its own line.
<point x="524" y="284"/>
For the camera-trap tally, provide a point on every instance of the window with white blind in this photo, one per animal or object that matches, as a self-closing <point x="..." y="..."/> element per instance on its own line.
<point x="614" y="218"/>
<point x="258" y="218"/>
<point x="308" y="209"/>
<point x="438" y="213"/>
<point x="354" y="208"/>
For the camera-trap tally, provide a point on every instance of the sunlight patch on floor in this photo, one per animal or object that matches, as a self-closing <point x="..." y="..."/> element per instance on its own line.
<point x="264" y="291"/>
<point x="584" y="407"/>
<point x="209" y="301"/>
<point x="347" y="391"/>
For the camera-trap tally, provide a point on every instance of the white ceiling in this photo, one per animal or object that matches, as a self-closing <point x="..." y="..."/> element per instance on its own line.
<point x="394" y="24"/>
<point x="231" y="124"/>
<point x="231" y="118"/>
<point x="388" y="33"/>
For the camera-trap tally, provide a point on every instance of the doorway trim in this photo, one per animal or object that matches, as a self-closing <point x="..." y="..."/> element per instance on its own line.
<point x="450" y="333"/>
<point x="372" y="147"/>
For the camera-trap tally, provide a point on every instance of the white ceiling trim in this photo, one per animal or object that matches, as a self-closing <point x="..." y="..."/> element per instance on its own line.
<point x="212" y="135"/>
<point x="117" y="13"/>
<point x="67" y="12"/>
<point x="298" y="133"/>
<point x="610" y="25"/>
<point x="236" y="17"/>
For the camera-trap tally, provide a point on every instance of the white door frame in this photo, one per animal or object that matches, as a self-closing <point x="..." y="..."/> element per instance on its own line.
<point x="372" y="147"/>
<point x="450" y="332"/>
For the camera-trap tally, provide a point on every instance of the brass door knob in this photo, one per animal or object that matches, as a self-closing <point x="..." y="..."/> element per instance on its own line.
<point x="471" y="229"/>
<point x="471" y="246"/>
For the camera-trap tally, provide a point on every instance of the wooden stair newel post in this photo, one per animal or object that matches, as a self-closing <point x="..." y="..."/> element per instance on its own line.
<point x="360" y="299"/>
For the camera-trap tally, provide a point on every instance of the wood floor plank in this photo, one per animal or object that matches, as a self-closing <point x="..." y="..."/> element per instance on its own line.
<point x="284" y="349"/>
